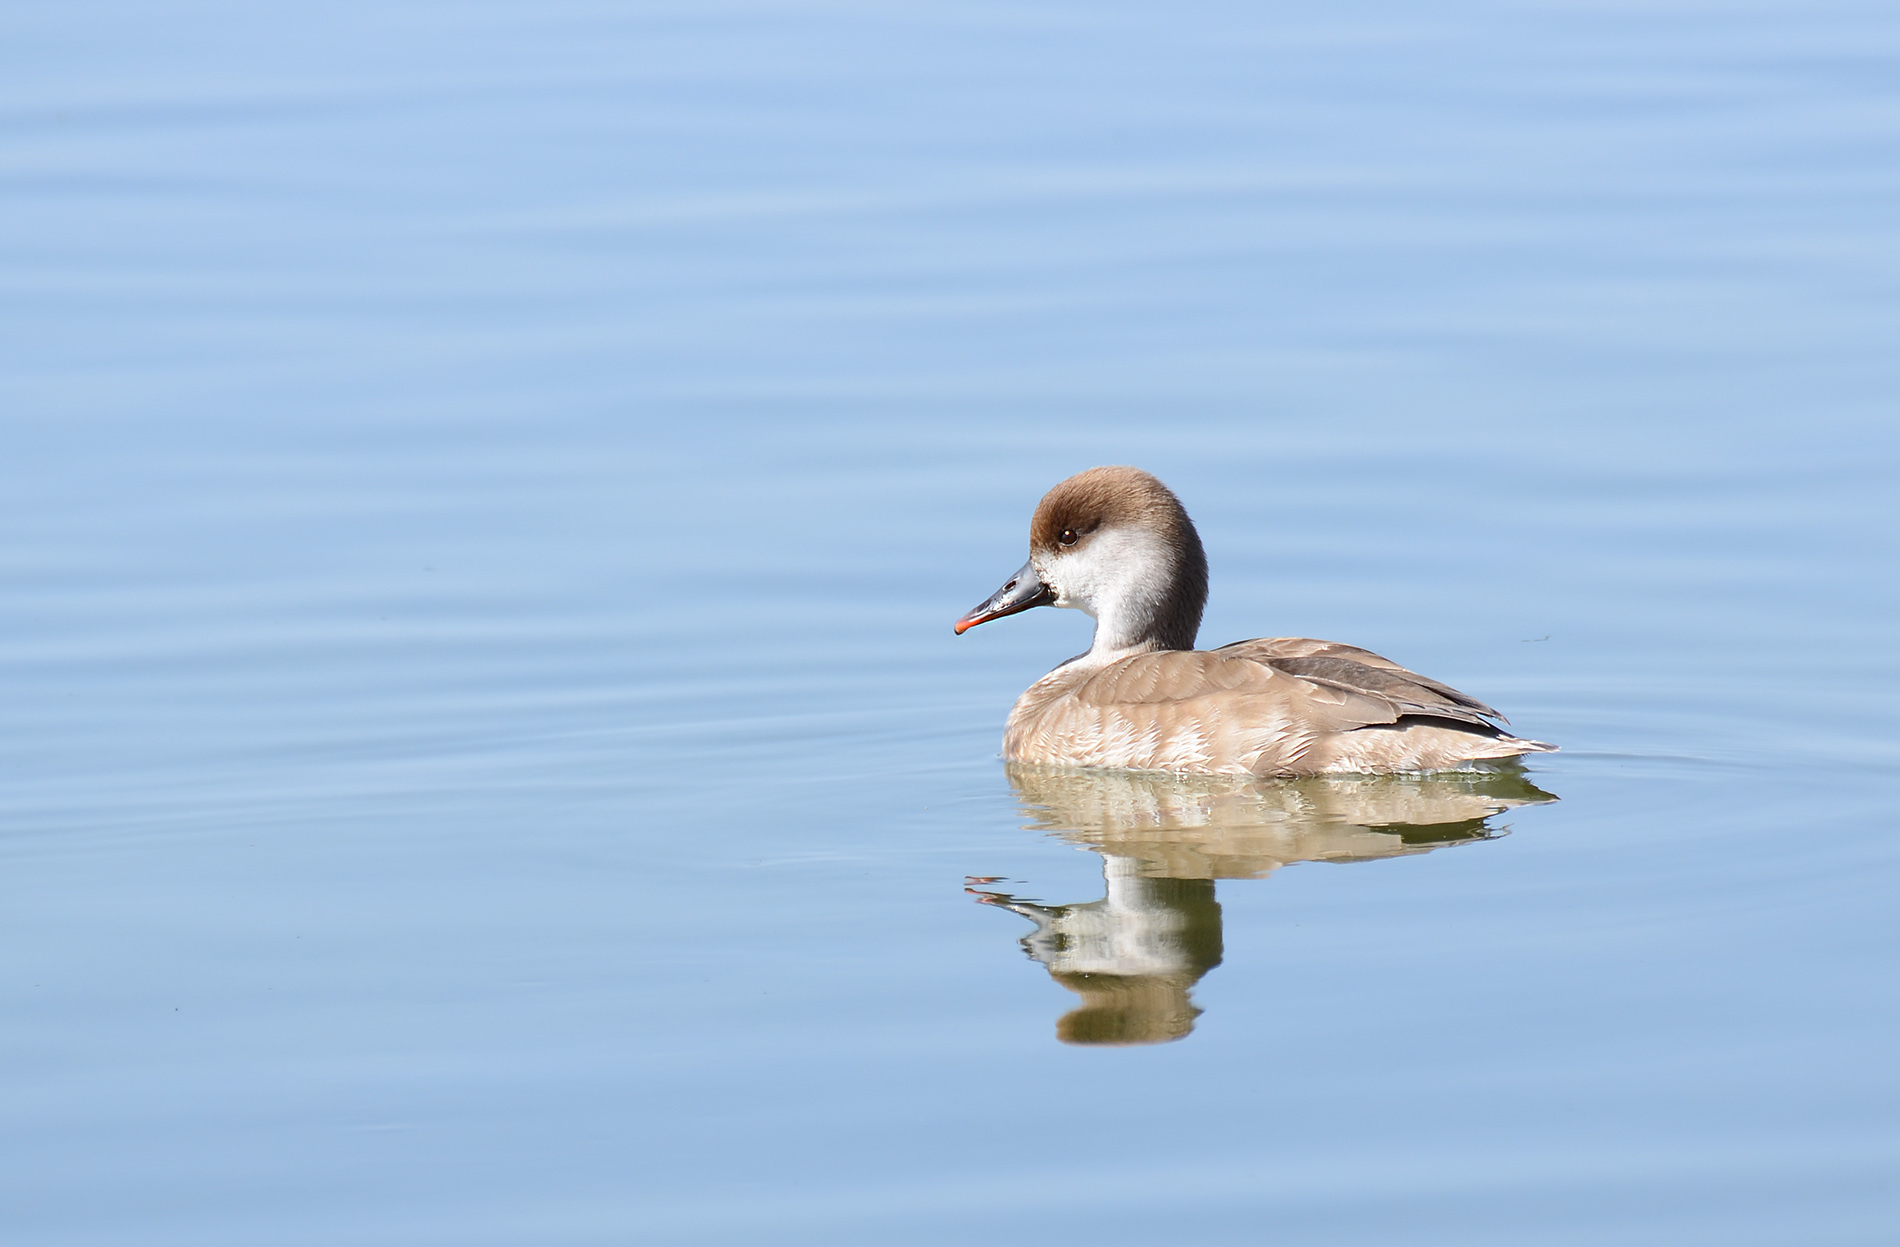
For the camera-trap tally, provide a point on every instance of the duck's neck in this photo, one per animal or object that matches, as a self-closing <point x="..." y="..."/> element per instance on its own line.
<point x="1156" y="604"/>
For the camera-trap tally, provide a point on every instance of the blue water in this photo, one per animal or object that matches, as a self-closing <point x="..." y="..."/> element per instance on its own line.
<point x="484" y="758"/>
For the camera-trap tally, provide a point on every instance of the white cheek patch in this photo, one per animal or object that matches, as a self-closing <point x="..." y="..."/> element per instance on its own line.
<point x="1120" y="577"/>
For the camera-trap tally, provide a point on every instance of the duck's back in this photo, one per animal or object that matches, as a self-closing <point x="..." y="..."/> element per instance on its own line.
<point x="1270" y="706"/>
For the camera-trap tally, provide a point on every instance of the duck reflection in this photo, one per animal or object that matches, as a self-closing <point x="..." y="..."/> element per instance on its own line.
<point x="1134" y="955"/>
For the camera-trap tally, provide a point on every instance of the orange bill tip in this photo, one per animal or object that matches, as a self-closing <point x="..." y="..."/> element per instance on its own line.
<point x="970" y="621"/>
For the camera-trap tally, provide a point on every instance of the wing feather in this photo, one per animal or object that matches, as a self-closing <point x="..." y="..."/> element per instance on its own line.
<point x="1350" y="667"/>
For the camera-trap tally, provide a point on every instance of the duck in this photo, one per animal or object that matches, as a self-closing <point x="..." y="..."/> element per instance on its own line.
<point x="1116" y="544"/>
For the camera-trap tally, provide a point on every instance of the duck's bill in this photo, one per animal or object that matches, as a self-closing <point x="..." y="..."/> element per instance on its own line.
<point x="1020" y="592"/>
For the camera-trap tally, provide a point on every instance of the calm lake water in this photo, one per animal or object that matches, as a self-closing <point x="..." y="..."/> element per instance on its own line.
<point x="485" y="760"/>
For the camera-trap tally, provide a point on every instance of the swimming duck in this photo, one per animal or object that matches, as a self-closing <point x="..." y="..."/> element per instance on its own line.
<point x="1116" y="543"/>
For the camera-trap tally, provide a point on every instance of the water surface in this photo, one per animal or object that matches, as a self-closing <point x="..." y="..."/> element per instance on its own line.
<point x="485" y="756"/>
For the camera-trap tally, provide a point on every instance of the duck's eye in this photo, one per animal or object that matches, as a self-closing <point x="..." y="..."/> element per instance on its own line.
<point x="1066" y="537"/>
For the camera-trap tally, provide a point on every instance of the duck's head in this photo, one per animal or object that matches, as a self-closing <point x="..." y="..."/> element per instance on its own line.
<point x="1116" y="544"/>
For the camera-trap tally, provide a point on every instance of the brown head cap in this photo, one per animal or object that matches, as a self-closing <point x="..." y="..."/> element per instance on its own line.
<point x="1103" y="498"/>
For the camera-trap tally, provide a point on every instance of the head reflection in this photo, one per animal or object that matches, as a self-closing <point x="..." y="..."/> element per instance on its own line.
<point x="1134" y="955"/>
